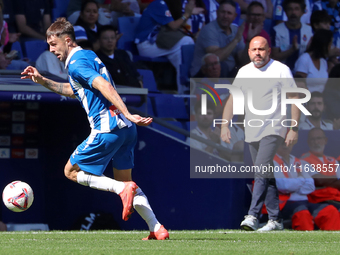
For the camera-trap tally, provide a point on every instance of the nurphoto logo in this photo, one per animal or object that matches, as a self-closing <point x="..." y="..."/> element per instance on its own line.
<point x="239" y="104"/>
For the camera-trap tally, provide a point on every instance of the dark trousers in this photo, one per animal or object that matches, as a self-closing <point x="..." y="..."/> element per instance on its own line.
<point x="265" y="190"/>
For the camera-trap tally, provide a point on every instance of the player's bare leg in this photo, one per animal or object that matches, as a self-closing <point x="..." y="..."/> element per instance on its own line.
<point x="126" y="190"/>
<point x="142" y="206"/>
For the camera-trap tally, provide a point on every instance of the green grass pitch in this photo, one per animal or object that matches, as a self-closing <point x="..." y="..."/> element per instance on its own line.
<point x="181" y="242"/>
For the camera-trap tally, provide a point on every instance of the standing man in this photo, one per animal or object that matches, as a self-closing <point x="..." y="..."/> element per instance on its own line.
<point x="113" y="130"/>
<point x="263" y="140"/>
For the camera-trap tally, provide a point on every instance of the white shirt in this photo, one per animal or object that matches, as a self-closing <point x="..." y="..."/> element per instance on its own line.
<point x="316" y="78"/>
<point x="307" y="125"/>
<point x="273" y="75"/>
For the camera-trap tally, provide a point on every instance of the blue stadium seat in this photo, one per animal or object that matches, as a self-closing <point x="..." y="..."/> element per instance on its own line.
<point x="59" y="9"/>
<point x="34" y="48"/>
<point x="170" y="106"/>
<point x="187" y="58"/>
<point x="147" y="108"/>
<point x="17" y="46"/>
<point x="127" y="27"/>
<point x="169" y="131"/>
<point x="149" y="81"/>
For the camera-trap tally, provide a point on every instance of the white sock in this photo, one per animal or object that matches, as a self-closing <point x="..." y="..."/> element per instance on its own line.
<point x="100" y="182"/>
<point x="142" y="206"/>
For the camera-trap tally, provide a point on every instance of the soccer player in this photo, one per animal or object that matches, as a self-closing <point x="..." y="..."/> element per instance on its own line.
<point x="113" y="130"/>
<point x="263" y="140"/>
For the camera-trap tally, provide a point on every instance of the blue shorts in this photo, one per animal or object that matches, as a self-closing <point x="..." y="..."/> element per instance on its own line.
<point x="94" y="154"/>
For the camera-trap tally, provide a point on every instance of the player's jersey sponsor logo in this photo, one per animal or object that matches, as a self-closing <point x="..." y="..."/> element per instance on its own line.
<point x="114" y="111"/>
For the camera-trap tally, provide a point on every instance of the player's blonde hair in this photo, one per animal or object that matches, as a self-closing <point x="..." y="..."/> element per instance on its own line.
<point x="61" y="27"/>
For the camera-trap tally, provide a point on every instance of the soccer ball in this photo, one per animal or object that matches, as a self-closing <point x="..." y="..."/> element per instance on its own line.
<point x="18" y="196"/>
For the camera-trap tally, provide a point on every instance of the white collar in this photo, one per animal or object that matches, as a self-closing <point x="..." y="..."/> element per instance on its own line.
<point x="74" y="50"/>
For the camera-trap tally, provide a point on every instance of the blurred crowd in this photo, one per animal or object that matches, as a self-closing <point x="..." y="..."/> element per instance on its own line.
<point x="304" y="34"/>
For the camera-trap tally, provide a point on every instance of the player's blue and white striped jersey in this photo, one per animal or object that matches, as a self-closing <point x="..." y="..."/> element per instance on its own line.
<point x="83" y="67"/>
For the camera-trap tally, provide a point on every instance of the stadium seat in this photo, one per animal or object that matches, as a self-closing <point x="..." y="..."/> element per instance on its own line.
<point x="59" y="9"/>
<point x="170" y="106"/>
<point x="17" y="46"/>
<point x="149" y="81"/>
<point x="187" y="57"/>
<point x="34" y="48"/>
<point x="170" y="131"/>
<point x="127" y="27"/>
<point x="147" y="108"/>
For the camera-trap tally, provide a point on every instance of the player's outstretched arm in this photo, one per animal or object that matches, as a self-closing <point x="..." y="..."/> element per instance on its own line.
<point x="112" y="95"/>
<point x="32" y="73"/>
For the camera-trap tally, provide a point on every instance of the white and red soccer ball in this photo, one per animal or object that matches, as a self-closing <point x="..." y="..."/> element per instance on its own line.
<point x="18" y="196"/>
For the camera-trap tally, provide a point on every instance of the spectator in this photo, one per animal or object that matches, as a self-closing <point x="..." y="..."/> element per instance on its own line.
<point x="4" y="35"/>
<point x="333" y="9"/>
<point x="280" y="15"/>
<point x="291" y="37"/>
<point x="316" y="107"/>
<point x="211" y="66"/>
<point x="211" y="7"/>
<point x="204" y="129"/>
<point x="106" y="17"/>
<point x="6" y="38"/>
<point x="331" y="95"/>
<point x="313" y="64"/>
<point x="109" y="10"/>
<point x="197" y="20"/>
<point x="211" y="70"/>
<point x="321" y="20"/>
<point x="32" y="18"/>
<point x="326" y="177"/>
<point x="210" y="73"/>
<point x="255" y="21"/>
<point x="8" y="14"/>
<point x="294" y="186"/>
<point x="222" y="38"/>
<point x="117" y="62"/>
<point x="156" y="15"/>
<point x="86" y="27"/>
<point x="48" y="62"/>
<point x="267" y="5"/>
<point x="123" y="8"/>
